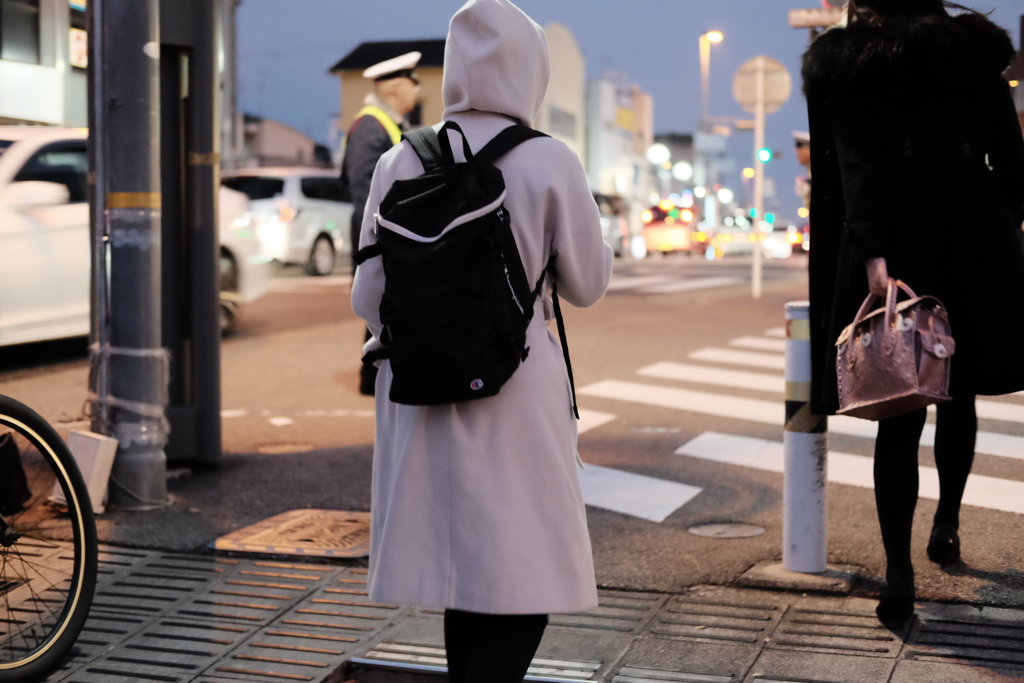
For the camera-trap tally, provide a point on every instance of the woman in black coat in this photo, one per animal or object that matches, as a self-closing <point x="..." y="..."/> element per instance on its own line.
<point x="918" y="168"/>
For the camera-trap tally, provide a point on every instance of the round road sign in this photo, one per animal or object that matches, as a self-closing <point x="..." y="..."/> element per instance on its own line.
<point x="777" y="84"/>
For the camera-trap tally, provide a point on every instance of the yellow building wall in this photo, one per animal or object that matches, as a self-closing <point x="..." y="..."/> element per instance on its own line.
<point x="566" y="91"/>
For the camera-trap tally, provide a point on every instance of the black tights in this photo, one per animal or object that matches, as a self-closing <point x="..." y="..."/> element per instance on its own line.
<point x="896" y="481"/>
<point x="491" y="648"/>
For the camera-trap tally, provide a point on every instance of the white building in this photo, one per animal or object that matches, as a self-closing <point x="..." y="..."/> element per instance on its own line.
<point x="620" y="123"/>
<point x="42" y="62"/>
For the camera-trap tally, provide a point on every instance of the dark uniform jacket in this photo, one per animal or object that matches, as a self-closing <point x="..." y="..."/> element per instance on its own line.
<point x="367" y="141"/>
<point x="918" y="158"/>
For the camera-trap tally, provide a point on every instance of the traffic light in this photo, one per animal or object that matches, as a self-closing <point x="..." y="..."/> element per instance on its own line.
<point x="769" y="218"/>
<point x="764" y="155"/>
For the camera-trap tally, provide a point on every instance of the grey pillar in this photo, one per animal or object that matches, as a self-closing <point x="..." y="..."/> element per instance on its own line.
<point x="131" y="166"/>
<point x="202" y="181"/>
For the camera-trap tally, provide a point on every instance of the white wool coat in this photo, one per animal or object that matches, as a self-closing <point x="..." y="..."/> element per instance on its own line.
<point x="477" y="505"/>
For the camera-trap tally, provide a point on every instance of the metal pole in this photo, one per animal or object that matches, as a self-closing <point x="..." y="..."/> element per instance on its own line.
<point x="99" y="313"/>
<point x="137" y="362"/>
<point x="759" y="124"/>
<point x="804" y="527"/>
<point x="202" y="185"/>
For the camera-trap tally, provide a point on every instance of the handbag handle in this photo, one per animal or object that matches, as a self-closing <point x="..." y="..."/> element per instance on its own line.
<point x="892" y="290"/>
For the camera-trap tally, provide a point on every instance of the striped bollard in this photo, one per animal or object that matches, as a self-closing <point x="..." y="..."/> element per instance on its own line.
<point x="804" y="534"/>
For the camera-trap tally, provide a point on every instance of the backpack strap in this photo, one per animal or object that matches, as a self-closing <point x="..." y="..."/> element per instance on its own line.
<point x="503" y="143"/>
<point x="550" y="270"/>
<point x="367" y="252"/>
<point x="427" y="145"/>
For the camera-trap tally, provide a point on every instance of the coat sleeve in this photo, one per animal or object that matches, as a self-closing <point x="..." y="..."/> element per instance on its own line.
<point x="1006" y="149"/>
<point x="583" y="263"/>
<point x="366" y="144"/>
<point x="368" y="285"/>
<point x="862" y="167"/>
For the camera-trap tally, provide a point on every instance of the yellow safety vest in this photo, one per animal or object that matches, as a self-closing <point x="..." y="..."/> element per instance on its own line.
<point x="394" y="132"/>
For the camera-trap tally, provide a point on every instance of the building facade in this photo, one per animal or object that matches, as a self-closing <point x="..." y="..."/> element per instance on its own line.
<point x="563" y="112"/>
<point x="43" y="59"/>
<point x="620" y="128"/>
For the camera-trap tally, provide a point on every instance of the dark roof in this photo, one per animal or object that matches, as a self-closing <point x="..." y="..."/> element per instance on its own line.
<point x="368" y="54"/>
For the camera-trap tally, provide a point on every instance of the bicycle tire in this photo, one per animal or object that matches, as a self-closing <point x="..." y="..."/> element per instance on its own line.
<point x="43" y="607"/>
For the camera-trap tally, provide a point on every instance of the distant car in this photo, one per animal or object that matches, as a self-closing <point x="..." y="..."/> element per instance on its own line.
<point x="667" y="233"/>
<point x="304" y="214"/>
<point x="44" y="237"/>
<point x="729" y="240"/>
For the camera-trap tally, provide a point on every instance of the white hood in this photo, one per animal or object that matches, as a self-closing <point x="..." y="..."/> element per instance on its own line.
<point x="495" y="60"/>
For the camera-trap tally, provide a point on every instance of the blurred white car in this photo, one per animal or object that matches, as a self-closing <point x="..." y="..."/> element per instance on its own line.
<point x="44" y="238"/>
<point x="304" y="214"/>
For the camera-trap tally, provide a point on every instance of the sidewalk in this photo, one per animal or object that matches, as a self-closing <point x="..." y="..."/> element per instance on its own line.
<point x="197" y="618"/>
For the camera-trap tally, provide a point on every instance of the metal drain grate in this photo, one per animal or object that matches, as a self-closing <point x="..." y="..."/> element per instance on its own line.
<point x="981" y="643"/>
<point x="180" y="618"/>
<point x="839" y="632"/>
<point x="414" y="657"/>
<point x="616" y="611"/>
<point x="632" y="674"/>
<point x="314" y="533"/>
<point x="717" y="615"/>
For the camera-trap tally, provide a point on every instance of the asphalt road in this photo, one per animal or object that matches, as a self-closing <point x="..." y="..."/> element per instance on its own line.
<point x="297" y="433"/>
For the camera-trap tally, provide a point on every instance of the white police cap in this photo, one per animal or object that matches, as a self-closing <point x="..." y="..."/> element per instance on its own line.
<point x="395" y="67"/>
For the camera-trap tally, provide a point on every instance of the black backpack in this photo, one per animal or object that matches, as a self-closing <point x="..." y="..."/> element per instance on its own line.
<point x="456" y="301"/>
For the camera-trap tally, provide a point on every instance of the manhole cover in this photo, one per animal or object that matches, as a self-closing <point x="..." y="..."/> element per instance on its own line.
<point x="283" y="448"/>
<point x="726" y="530"/>
<point x="316" y="533"/>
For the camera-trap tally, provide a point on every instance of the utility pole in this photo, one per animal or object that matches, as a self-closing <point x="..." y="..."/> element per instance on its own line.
<point x="759" y="116"/>
<point x="129" y="386"/>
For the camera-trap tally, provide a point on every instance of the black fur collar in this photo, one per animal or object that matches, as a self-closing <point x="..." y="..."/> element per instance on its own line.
<point x="938" y="45"/>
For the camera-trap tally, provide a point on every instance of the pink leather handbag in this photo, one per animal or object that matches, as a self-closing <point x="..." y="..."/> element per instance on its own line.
<point x="894" y="359"/>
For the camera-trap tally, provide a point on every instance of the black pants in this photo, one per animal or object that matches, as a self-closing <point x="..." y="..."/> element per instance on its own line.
<point x="896" y="480"/>
<point x="491" y="648"/>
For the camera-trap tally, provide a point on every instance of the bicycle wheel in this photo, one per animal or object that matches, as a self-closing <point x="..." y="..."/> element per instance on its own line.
<point x="48" y="552"/>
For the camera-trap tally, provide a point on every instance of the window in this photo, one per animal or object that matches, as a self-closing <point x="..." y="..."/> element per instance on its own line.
<point x="19" y="30"/>
<point x="322" y="187"/>
<point x="563" y="123"/>
<point x="66" y="163"/>
<point x="255" y="187"/>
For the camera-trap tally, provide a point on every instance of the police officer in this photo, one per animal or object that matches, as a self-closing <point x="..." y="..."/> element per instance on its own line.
<point x="377" y="128"/>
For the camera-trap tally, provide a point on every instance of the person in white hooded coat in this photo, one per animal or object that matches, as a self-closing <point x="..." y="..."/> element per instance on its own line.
<point x="477" y="505"/>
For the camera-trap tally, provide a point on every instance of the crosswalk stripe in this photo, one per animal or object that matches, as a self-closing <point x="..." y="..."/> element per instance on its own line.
<point x="690" y="285"/>
<point x="633" y="494"/>
<point x="757" y="381"/>
<point x="775" y="332"/>
<point x="635" y="282"/>
<point x="592" y="419"/>
<point x="773" y="413"/>
<point x="760" y="344"/>
<point x="701" y="374"/>
<point x="773" y="361"/>
<point x="853" y="470"/>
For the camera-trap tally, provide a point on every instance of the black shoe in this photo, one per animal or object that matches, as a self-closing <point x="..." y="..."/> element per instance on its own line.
<point x="367" y="380"/>
<point x="944" y="544"/>
<point x="897" y="601"/>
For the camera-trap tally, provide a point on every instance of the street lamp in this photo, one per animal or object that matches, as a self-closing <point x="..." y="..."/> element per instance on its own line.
<point x="705" y="70"/>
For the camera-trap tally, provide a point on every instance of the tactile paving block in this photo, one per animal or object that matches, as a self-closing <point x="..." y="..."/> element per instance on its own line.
<point x="720" y="614"/>
<point x="989" y="637"/>
<point x="847" y="626"/>
<point x="617" y="611"/>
